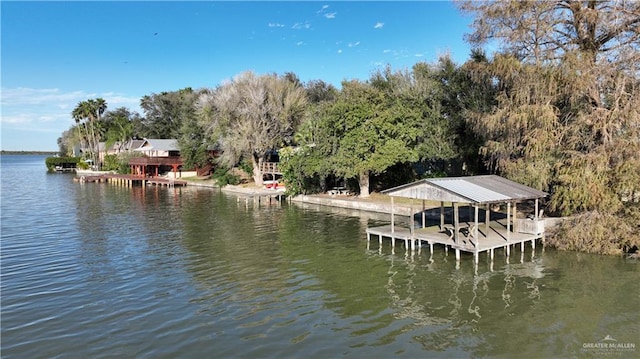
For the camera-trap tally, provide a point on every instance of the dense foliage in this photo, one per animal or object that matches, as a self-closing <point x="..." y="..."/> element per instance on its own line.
<point x="52" y="162"/>
<point x="555" y="107"/>
<point x="566" y="114"/>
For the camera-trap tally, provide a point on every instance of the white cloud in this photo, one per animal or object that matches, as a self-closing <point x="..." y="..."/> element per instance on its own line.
<point x="301" y="26"/>
<point x="378" y="25"/>
<point x="354" y="44"/>
<point x="23" y="96"/>
<point x="419" y="55"/>
<point x="275" y="24"/>
<point x="300" y="43"/>
<point x="387" y="51"/>
<point x="340" y="51"/>
<point x="37" y="106"/>
<point x="324" y="7"/>
<point x="331" y="15"/>
<point x="17" y="118"/>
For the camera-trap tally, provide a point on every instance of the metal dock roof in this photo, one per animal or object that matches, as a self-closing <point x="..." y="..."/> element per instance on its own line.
<point x="470" y="189"/>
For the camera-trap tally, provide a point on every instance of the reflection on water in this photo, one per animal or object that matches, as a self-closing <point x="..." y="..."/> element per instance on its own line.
<point x="96" y="270"/>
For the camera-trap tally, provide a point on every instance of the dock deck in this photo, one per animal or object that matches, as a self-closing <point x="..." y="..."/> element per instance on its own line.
<point x="131" y="180"/>
<point x="495" y="236"/>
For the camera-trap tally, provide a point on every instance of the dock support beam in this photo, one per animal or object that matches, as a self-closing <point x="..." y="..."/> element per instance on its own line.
<point x="508" y="222"/>
<point x="487" y="219"/>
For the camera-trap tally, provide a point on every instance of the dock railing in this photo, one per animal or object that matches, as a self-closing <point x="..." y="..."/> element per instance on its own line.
<point x="270" y="167"/>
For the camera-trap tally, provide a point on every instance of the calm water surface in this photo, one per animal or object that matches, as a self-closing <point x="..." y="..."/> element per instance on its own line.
<point x="100" y="271"/>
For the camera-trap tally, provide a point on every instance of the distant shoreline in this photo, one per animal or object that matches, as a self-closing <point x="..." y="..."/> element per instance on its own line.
<point x="3" y="152"/>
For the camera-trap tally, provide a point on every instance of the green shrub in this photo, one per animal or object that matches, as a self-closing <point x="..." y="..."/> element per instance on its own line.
<point x="223" y="177"/>
<point x="82" y="165"/>
<point x="111" y="163"/>
<point x="597" y="232"/>
<point x="246" y="166"/>
<point x="68" y="162"/>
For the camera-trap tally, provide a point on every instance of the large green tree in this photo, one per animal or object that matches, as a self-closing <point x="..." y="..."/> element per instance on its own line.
<point x="193" y="140"/>
<point x="466" y="89"/>
<point x="379" y="124"/>
<point x="119" y="125"/>
<point x="164" y="113"/>
<point x="252" y="115"/>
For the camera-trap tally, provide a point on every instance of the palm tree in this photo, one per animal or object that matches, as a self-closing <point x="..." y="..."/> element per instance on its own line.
<point x="87" y="115"/>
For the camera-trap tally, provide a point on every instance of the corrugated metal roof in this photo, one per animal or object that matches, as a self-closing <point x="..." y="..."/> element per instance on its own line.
<point x="471" y="189"/>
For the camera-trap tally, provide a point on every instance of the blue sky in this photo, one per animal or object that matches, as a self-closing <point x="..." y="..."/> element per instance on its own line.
<point x="55" y="54"/>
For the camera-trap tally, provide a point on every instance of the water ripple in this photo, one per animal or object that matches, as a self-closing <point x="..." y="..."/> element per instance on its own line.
<point x="102" y="271"/>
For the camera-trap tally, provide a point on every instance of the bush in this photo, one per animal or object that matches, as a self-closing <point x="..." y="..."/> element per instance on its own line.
<point x="67" y="162"/>
<point x="111" y="163"/>
<point x="597" y="232"/>
<point x="223" y="177"/>
<point x="246" y="166"/>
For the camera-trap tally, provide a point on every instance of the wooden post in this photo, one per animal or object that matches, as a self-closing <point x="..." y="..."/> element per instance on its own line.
<point x="412" y="224"/>
<point x="441" y="214"/>
<point x="456" y="223"/>
<point x="424" y="215"/>
<point x="475" y="230"/>
<point x="535" y="215"/>
<point x="487" y="219"/>
<point x="508" y="222"/>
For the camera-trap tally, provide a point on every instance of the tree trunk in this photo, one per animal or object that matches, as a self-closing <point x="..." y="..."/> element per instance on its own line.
<point x="257" y="173"/>
<point x="363" y="181"/>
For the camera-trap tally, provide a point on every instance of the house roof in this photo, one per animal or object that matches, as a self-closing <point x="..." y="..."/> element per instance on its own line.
<point x="159" y="145"/>
<point x="134" y="144"/>
<point x="471" y="189"/>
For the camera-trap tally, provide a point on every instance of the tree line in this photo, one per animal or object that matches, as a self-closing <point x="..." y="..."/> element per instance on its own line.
<point x="555" y="108"/>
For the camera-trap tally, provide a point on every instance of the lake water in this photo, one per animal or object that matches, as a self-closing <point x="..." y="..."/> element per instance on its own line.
<point x="100" y="271"/>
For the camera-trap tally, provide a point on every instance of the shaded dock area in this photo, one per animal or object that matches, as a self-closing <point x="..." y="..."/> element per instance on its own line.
<point x="488" y="219"/>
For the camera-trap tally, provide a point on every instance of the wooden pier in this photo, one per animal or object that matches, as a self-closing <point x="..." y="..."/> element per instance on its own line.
<point x="130" y="180"/>
<point x="258" y="198"/>
<point x="488" y="239"/>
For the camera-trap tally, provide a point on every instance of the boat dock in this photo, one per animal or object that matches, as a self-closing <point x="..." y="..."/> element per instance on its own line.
<point x="487" y="220"/>
<point x="131" y="180"/>
<point x="488" y="239"/>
